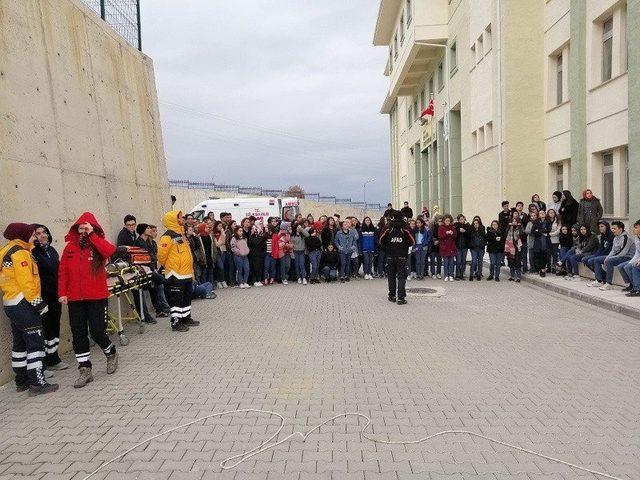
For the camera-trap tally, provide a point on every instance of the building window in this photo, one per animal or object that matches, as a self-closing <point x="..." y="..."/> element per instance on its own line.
<point x="409" y="116"/>
<point x="487" y="38"/>
<point x="607" y="49"/>
<point x="560" y="176"/>
<point x="401" y="28"/>
<point x="474" y="142"/>
<point x="390" y="60"/>
<point x="481" y="139"/>
<point x="488" y="133"/>
<point x="409" y="13"/>
<point x="431" y="88"/>
<point x="559" y="75"/>
<point x="607" y="183"/>
<point x="416" y="109"/>
<point x="423" y="100"/>
<point x="473" y="55"/>
<point x="453" y="58"/>
<point x="625" y="171"/>
<point x="395" y="46"/>
<point x="480" y="48"/>
<point x="440" y="76"/>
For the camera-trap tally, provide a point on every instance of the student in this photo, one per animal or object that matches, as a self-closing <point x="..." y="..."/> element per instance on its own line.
<point x="528" y="247"/>
<point x="523" y="218"/>
<point x="463" y="244"/>
<point x="381" y="252"/>
<point x="389" y="211"/>
<point x="566" y="247"/>
<point x="299" y="251"/>
<point x="23" y="304"/>
<point x="328" y="232"/>
<point x="407" y="211"/>
<point x="630" y="270"/>
<point x="330" y="262"/>
<point x="314" y="248"/>
<point x="422" y="236"/>
<point x="495" y="248"/>
<point x="219" y="236"/>
<point x="345" y="242"/>
<point x="553" y="239"/>
<point x="257" y="252"/>
<point x="229" y="262"/>
<point x="622" y="250"/>
<point x="127" y="236"/>
<point x="605" y="244"/>
<point x="284" y="251"/>
<point x="146" y="240"/>
<point x="435" y="260"/>
<point x="197" y="251"/>
<point x="210" y="252"/>
<point x="356" y="257"/>
<point x="397" y="240"/>
<point x="555" y="203"/>
<point x="447" y="238"/>
<point x="514" y="246"/>
<point x="477" y="243"/>
<point x="270" y="257"/>
<point x="240" y="250"/>
<point x="48" y="262"/>
<point x="535" y="200"/>
<point x="504" y="216"/>
<point x="82" y="285"/>
<point x="587" y="244"/>
<point x="144" y="313"/>
<point x="590" y="210"/>
<point x="540" y="232"/>
<point x="568" y="209"/>
<point x="411" y="259"/>
<point x="368" y="246"/>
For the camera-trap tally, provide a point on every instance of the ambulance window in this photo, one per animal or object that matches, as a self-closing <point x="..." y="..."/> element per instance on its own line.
<point x="289" y="213"/>
<point x="198" y="215"/>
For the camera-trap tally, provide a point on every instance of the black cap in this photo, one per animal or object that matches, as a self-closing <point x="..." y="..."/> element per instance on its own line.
<point x="140" y="229"/>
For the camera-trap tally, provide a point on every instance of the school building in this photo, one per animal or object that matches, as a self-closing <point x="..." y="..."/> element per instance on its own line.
<point x="529" y="97"/>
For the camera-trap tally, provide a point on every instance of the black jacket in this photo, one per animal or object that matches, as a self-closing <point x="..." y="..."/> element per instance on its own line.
<point x="463" y="239"/>
<point x="566" y="239"/>
<point x="503" y="220"/>
<point x="257" y="245"/>
<point x="48" y="260"/>
<point x="397" y="238"/>
<point x="477" y="238"/>
<point x="327" y="236"/>
<point x="313" y="243"/>
<point x="495" y="240"/>
<point x="569" y="213"/>
<point x="329" y="259"/>
<point x="125" y="237"/>
<point x="407" y="212"/>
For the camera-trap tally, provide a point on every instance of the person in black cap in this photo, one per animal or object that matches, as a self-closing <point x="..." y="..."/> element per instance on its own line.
<point x="396" y="240"/>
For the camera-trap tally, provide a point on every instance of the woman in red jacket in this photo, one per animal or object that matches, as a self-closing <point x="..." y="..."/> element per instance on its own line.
<point x="82" y="285"/>
<point x="448" y="250"/>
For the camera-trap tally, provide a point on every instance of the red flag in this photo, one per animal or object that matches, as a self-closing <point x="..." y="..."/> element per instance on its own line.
<point x="429" y="111"/>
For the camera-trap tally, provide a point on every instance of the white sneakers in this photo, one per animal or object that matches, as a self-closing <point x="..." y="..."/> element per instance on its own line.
<point x="606" y="286"/>
<point x="368" y="277"/>
<point x="304" y="281"/>
<point x="257" y="284"/>
<point x="244" y="285"/>
<point x="224" y="285"/>
<point x="434" y="277"/>
<point x="299" y="281"/>
<point x="285" y="282"/>
<point x="595" y="283"/>
<point x="448" y="279"/>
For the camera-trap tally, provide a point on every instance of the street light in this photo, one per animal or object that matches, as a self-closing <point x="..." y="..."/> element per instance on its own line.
<point x="364" y="194"/>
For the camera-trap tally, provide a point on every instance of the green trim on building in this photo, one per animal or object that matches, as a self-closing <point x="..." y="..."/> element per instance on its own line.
<point x="578" y="95"/>
<point x="633" y="32"/>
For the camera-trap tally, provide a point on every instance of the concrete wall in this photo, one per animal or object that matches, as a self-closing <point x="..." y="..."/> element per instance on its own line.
<point x="80" y="126"/>
<point x="187" y="198"/>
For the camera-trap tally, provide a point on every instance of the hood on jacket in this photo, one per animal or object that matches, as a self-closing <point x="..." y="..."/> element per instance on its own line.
<point x="47" y="231"/>
<point x="170" y="221"/>
<point x="19" y="231"/>
<point x="86" y="217"/>
<point x="398" y="223"/>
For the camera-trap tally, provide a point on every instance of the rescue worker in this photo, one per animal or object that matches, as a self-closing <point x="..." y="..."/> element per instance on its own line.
<point x="23" y="304"/>
<point x="396" y="240"/>
<point x="82" y="285"/>
<point x="174" y="254"/>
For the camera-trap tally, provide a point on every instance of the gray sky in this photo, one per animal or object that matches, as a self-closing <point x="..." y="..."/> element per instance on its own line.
<point x="271" y="93"/>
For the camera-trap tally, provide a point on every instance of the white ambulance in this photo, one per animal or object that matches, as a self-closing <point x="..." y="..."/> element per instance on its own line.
<point x="260" y="207"/>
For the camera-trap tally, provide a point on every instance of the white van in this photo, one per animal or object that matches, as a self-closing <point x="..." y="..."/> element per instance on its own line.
<point x="260" y="207"/>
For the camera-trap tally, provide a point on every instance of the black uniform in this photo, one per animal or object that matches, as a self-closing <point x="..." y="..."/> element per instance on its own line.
<point x="396" y="240"/>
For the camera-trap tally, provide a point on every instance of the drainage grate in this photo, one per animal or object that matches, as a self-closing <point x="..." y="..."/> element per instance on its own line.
<point x="425" y="292"/>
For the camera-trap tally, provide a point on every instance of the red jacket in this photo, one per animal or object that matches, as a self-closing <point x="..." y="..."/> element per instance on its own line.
<point x="447" y="241"/>
<point x="76" y="280"/>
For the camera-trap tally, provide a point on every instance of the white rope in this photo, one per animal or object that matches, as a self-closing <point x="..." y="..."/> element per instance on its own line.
<point x="230" y="462"/>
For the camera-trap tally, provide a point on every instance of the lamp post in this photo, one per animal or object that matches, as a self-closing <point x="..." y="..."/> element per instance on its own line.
<point x="364" y="194"/>
<point x="447" y="115"/>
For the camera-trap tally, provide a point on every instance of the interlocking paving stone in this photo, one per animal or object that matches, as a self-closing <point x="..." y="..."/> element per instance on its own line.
<point x="507" y="361"/>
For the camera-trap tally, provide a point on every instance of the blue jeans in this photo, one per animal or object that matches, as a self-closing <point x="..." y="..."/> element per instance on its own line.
<point x="564" y="253"/>
<point x="330" y="273"/>
<point x="345" y="264"/>
<point x="461" y="262"/>
<point x="612" y="263"/>
<point x="421" y="256"/>
<point x="242" y="269"/>
<point x="367" y="262"/>
<point x="202" y="291"/>
<point x="229" y="268"/>
<point x="269" y="267"/>
<point x="300" y="260"/>
<point x="572" y="263"/>
<point x="495" y="262"/>
<point x="435" y="258"/>
<point x="314" y="258"/>
<point x="597" y="263"/>
<point x="630" y="274"/>
<point x="162" y="299"/>
<point x="477" y="257"/>
<point x="449" y="263"/>
<point x="382" y="257"/>
<point x="285" y="265"/>
<point x="220" y="266"/>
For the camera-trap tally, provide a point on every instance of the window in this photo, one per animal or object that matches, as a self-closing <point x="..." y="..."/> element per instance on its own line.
<point x="431" y="88"/>
<point x="559" y="74"/>
<point x="624" y="153"/>
<point x="607" y="183"/>
<point x="474" y="142"/>
<point x="453" y="58"/>
<point x="473" y="55"/>
<point x="401" y="28"/>
<point x="560" y="176"/>
<point x="607" y="49"/>
<point x="480" y="48"/>
<point x="409" y="116"/>
<point x="481" y="139"/>
<point x="409" y="13"/>
<point x="487" y="38"/>
<point x="390" y="59"/>
<point x="423" y="100"/>
<point x="416" y="110"/>
<point x="488" y="131"/>
<point x="440" y="76"/>
<point x="395" y="46"/>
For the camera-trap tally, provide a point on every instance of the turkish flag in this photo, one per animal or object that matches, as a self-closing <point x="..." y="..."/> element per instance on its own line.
<point x="429" y="111"/>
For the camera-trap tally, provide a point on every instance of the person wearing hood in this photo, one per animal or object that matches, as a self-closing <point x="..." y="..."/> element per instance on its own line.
<point x="590" y="210"/>
<point x="24" y="305"/>
<point x="48" y="262"/>
<point x="397" y="240"/>
<point x="622" y="250"/>
<point x="174" y="254"/>
<point x="630" y="270"/>
<point x="82" y="286"/>
<point x="555" y="203"/>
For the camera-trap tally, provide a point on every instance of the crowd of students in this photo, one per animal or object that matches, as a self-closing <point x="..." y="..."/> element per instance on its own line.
<point x="194" y="258"/>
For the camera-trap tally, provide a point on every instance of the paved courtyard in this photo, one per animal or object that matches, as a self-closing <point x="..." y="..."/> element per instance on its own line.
<point x="504" y="360"/>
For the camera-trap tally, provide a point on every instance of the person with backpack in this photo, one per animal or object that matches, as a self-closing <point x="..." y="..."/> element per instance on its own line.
<point x="397" y="240"/>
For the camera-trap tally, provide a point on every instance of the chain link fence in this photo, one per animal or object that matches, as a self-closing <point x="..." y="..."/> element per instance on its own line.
<point x="122" y="15"/>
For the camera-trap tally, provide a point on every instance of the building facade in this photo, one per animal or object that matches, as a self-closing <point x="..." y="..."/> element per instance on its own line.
<point x="530" y="97"/>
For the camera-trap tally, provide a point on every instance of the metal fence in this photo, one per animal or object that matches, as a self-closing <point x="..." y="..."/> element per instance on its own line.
<point x="263" y="192"/>
<point x="122" y="15"/>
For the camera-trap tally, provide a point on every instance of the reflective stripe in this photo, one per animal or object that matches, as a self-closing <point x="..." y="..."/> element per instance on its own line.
<point x="19" y="364"/>
<point x="31" y="366"/>
<point x="33" y="355"/>
<point x="106" y="350"/>
<point x="19" y="354"/>
<point x="15" y="300"/>
<point x="171" y="273"/>
<point x="180" y="315"/>
<point x="178" y="309"/>
<point x="53" y="349"/>
<point x="53" y="341"/>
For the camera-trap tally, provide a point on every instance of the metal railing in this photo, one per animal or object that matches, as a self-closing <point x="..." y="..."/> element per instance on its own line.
<point x="122" y="15"/>
<point x="268" y="192"/>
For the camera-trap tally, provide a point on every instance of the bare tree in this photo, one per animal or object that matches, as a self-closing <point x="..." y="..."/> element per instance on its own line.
<point x="295" y="191"/>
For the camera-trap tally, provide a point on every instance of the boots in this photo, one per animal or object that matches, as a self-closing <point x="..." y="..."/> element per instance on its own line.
<point x="85" y="377"/>
<point x="112" y="363"/>
<point x="42" y="386"/>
